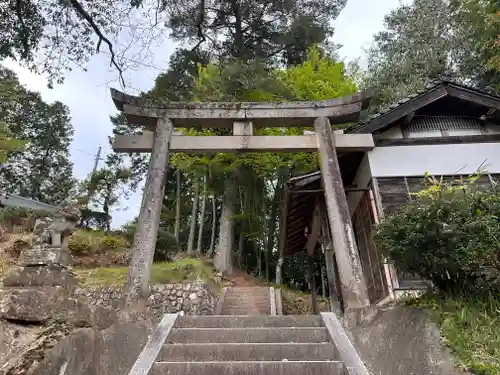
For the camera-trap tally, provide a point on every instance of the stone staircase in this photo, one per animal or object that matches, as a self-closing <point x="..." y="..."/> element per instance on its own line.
<point x="246" y="300"/>
<point x="249" y="345"/>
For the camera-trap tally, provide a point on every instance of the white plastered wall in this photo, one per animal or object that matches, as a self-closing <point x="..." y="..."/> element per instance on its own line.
<point x="451" y="159"/>
<point x="362" y="179"/>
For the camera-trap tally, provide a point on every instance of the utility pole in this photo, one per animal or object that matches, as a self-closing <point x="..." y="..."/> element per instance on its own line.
<point x="97" y="158"/>
<point x="96" y="162"/>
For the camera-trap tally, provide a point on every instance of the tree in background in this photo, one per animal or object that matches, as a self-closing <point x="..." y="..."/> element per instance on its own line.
<point x="55" y="36"/>
<point x="426" y="40"/>
<point x="106" y="186"/>
<point x="277" y="32"/>
<point x="42" y="169"/>
<point x="9" y="94"/>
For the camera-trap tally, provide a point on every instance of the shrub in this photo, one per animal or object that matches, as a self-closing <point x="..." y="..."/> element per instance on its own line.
<point x="86" y="242"/>
<point x="449" y="235"/>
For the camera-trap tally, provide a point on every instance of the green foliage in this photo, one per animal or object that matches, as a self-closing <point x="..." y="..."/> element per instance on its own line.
<point x="9" y="93"/>
<point x="278" y="32"/>
<point x="318" y="78"/>
<point x="469" y="326"/>
<point x="449" y="235"/>
<point x="426" y="40"/>
<point x="7" y="143"/>
<point x="42" y="169"/>
<point x="88" y="242"/>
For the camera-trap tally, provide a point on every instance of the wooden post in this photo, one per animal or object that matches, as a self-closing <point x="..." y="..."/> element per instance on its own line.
<point x="331" y="273"/>
<point x="380" y="210"/>
<point x="310" y="246"/>
<point x="136" y="289"/>
<point x="354" y="291"/>
<point x="312" y="283"/>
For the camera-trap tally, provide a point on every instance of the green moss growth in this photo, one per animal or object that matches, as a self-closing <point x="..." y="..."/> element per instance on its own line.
<point x="296" y="302"/>
<point x="183" y="270"/>
<point x="469" y="327"/>
<point x="88" y="242"/>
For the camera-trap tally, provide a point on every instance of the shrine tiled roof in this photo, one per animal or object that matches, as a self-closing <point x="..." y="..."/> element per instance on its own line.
<point x="385" y="115"/>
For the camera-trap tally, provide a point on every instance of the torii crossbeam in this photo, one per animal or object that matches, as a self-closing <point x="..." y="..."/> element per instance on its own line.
<point x="159" y="119"/>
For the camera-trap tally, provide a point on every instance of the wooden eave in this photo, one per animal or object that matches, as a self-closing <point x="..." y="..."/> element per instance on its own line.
<point x="301" y="195"/>
<point x="298" y="209"/>
<point x="418" y="101"/>
<point x="144" y="112"/>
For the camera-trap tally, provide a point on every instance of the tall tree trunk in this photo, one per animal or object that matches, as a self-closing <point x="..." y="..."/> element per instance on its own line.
<point x="223" y="261"/>
<point x="194" y="219"/>
<point x="214" y="226"/>
<point x="247" y="196"/>
<point x="177" y="205"/>
<point x="271" y="226"/>
<point x="202" y="215"/>
<point x="258" y="254"/>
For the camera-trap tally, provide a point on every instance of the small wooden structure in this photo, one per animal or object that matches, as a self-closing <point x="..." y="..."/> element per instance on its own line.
<point x="447" y="130"/>
<point x="305" y="208"/>
<point x="159" y="119"/>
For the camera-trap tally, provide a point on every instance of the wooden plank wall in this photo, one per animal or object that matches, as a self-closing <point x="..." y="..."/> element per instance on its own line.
<point x="395" y="191"/>
<point x="371" y="261"/>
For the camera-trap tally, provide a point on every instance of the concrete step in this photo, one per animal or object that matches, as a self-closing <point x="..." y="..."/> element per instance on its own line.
<point x="249" y="368"/>
<point x="246" y="311"/>
<point x="219" y="321"/>
<point x="253" y="289"/>
<point x="248" y="352"/>
<point x="246" y="335"/>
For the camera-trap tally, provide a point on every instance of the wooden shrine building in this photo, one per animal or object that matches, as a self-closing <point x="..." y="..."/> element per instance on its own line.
<point x="446" y="130"/>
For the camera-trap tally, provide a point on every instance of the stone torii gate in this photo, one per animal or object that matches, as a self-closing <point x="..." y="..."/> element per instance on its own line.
<point x="159" y="119"/>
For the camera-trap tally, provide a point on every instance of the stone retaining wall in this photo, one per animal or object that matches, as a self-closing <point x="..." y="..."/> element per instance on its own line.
<point x="196" y="298"/>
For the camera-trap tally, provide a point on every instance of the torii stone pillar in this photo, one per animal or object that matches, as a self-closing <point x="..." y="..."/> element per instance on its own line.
<point x="353" y="285"/>
<point x="149" y="216"/>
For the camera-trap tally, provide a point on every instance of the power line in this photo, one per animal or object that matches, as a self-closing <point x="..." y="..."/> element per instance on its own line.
<point x="83" y="152"/>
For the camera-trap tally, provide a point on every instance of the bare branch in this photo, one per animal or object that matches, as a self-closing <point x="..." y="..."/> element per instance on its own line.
<point x="79" y="9"/>
<point x="199" y="26"/>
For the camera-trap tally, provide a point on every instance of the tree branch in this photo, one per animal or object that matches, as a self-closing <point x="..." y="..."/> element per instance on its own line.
<point x="199" y="26"/>
<point x="25" y="32"/>
<point x="79" y="9"/>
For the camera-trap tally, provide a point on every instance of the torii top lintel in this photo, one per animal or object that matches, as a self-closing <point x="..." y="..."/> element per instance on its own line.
<point x="144" y="112"/>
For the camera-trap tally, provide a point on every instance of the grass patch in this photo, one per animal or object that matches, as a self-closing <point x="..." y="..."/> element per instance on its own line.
<point x="183" y="270"/>
<point x="296" y="302"/>
<point x="470" y="327"/>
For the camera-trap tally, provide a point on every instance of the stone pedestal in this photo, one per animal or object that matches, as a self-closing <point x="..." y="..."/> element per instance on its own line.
<point x="41" y="286"/>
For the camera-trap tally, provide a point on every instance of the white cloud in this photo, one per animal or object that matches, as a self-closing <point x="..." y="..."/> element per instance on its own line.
<point x="358" y="22"/>
<point x="88" y="98"/>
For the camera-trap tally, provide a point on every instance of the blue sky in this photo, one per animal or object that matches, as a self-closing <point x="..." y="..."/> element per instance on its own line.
<point x="87" y="93"/>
